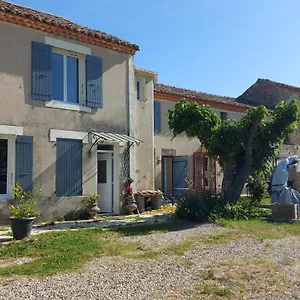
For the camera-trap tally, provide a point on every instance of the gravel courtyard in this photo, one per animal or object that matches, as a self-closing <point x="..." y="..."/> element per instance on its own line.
<point x="202" y="267"/>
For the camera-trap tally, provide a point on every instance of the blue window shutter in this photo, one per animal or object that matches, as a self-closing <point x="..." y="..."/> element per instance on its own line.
<point x="180" y="164"/>
<point x="157" y="116"/>
<point x="68" y="167"/>
<point x="24" y="161"/>
<point x="94" y="81"/>
<point x="41" y="71"/>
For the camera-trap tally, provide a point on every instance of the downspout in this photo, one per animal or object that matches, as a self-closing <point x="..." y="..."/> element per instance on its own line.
<point x="130" y="114"/>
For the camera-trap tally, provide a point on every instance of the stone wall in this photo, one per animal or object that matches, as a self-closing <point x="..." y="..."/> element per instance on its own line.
<point x="270" y="93"/>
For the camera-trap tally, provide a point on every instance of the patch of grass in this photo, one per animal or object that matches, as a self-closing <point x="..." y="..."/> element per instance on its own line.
<point x="288" y="261"/>
<point x="4" y="228"/>
<point x="189" y="243"/>
<point x="61" y="252"/>
<point x="145" y="254"/>
<point x="184" y="262"/>
<point x="266" y="201"/>
<point x="213" y="290"/>
<point x="219" y="238"/>
<point x="209" y="274"/>
<point x="65" y="251"/>
<point x="179" y="249"/>
<point x="261" y="276"/>
<point x="261" y="229"/>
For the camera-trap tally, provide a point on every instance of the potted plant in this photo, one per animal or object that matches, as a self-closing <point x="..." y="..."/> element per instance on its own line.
<point x="23" y="213"/>
<point x="130" y="202"/>
<point x="92" y="205"/>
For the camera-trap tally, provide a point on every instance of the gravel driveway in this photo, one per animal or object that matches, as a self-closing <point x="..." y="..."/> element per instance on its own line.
<point x="252" y="269"/>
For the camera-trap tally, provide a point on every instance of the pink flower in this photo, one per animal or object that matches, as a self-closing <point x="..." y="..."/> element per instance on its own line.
<point x="128" y="190"/>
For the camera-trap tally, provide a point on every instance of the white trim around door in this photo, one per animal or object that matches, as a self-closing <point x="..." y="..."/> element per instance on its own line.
<point x="105" y="183"/>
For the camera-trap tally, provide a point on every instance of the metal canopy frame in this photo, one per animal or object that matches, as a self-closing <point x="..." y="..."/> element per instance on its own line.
<point x="101" y="137"/>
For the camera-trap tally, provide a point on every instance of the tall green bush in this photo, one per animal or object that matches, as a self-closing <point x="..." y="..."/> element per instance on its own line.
<point x="244" y="209"/>
<point x="196" y="206"/>
<point x="207" y="206"/>
<point x="257" y="188"/>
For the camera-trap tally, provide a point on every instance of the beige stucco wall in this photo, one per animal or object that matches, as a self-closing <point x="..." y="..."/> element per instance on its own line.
<point x="165" y="141"/>
<point x="180" y="144"/>
<point x="144" y="123"/>
<point x="19" y="109"/>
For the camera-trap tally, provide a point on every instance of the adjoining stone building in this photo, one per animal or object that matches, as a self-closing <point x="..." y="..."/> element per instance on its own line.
<point x="271" y="93"/>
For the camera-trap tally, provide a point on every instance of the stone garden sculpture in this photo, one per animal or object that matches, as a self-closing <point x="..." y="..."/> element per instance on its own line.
<point x="280" y="192"/>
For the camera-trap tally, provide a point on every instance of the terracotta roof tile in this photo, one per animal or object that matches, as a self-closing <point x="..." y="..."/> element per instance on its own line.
<point x="60" y="22"/>
<point x="185" y="93"/>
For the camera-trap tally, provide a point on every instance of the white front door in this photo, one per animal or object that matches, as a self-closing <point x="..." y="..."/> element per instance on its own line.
<point x="105" y="182"/>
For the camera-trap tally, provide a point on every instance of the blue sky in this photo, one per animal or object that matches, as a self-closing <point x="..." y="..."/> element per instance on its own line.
<point x="214" y="46"/>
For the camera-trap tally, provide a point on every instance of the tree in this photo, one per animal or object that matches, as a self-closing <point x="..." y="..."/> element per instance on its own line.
<point x="241" y="147"/>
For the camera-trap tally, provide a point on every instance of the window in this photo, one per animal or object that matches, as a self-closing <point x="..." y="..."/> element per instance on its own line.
<point x="140" y="84"/>
<point x="157" y="116"/>
<point x="138" y="90"/>
<point x="168" y="152"/>
<point x="105" y="147"/>
<point x="66" y="78"/>
<point x="223" y="115"/>
<point x="102" y="171"/>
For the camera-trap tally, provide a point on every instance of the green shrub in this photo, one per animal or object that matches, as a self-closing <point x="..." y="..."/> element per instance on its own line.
<point x="257" y="188"/>
<point x="244" y="209"/>
<point x="207" y="206"/>
<point x="196" y="206"/>
<point x="25" y="204"/>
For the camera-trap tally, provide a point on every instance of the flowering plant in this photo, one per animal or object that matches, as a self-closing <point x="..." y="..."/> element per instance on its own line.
<point x="128" y="194"/>
<point x="25" y="207"/>
<point x="92" y="199"/>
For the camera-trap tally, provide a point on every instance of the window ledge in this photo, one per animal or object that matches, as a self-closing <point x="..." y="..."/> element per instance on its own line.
<point x="68" y="106"/>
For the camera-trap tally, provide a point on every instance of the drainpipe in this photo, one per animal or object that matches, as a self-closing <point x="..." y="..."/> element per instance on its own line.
<point x="131" y="116"/>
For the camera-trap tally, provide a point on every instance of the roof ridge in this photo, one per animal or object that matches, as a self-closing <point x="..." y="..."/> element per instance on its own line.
<point x="62" y="23"/>
<point x="279" y="83"/>
<point x="172" y="93"/>
<point x="38" y="11"/>
<point x="190" y="90"/>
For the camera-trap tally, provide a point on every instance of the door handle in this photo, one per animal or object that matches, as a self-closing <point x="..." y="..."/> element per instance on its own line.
<point x="24" y="174"/>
